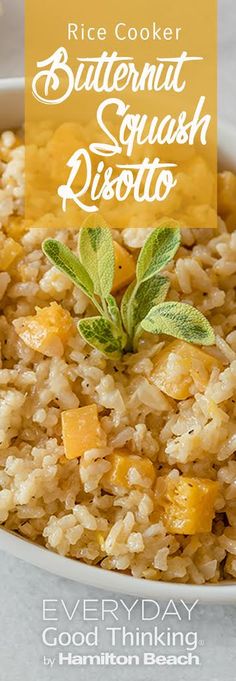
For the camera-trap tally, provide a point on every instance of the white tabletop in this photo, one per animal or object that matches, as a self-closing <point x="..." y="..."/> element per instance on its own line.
<point x="23" y="587"/>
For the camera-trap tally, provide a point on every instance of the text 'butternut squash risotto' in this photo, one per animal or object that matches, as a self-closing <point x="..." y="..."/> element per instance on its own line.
<point x="128" y="464"/>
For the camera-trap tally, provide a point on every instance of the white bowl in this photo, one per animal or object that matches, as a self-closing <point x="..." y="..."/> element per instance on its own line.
<point x="11" y="115"/>
<point x="11" y="103"/>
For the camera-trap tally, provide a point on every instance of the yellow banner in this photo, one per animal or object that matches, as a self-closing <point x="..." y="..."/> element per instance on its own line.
<point x="121" y="112"/>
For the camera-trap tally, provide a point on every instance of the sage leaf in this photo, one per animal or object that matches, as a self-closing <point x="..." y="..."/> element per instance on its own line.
<point x="67" y="262"/>
<point x="147" y="294"/>
<point x="97" y="254"/>
<point x="113" y="310"/>
<point x="125" y="303"/>
<point x="102" y="335"/>
<point x="181" y="321"/>
<point x="157" y="251"/>
<point x="114" y="313"/>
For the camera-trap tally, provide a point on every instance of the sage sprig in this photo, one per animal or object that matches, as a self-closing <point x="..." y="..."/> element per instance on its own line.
<point x="143" y="307"/>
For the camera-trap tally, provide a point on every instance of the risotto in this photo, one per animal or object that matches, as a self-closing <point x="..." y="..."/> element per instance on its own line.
<point x="149" y="486"/>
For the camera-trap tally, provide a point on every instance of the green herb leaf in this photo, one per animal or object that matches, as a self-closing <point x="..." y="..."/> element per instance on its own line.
<point x="67" y="262"/>
<point x="181" y="321"/>
<point x="113" y="310"/>
<point x="97" y="254"/>
<point x="149" y="293"/>
<point x="114" y="313"/>
<point x="125" y="307"/>
<point x="101" y="334"/>
<point x="157" y="251"/>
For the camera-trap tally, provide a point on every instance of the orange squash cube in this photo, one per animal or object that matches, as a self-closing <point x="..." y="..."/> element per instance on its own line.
<point x="189" y="505"/>
<point x="8" y="253"/>
<point x="180" y="369"/>
<point x="80" y="430"/>
<point x="128" y="470"/>
<point x="124" y="268"/>
<point x="17" y="227"/>
<point x="47" y="331"/>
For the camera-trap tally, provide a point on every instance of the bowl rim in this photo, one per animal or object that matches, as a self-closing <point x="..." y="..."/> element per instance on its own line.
<point x="14" y="84"/>
<point x="39" y="556"/>
<point x="109" y="580"/>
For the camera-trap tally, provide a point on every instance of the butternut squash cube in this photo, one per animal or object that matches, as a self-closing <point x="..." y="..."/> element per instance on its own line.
<point x="80" y="430"/>
<point x="189" y="506"/>
<point x="17" y="227"/>
<point x="124" y="268"/>
<point x="181" y="369"/>
<point x="8" y="253"/>
<point x="47" y="331"/>
<point x="128" y="470"/>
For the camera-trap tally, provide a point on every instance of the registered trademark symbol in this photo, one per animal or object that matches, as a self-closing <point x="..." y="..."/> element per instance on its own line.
<point x="201" y="642"/>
